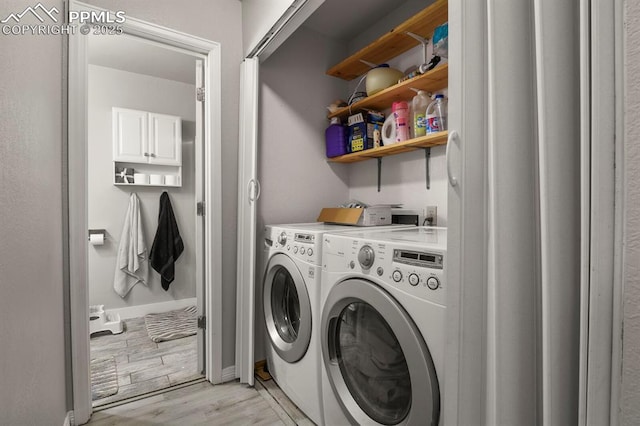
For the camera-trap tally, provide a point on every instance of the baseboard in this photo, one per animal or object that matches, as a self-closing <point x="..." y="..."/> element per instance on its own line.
<point x="68" y="420"/>
<point x="151" y="308"/>
<point x="229" y="374"/>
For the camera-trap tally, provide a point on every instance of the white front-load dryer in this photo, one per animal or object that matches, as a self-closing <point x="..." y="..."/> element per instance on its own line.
<point x="383" y="326"/>
<point x="291" y="304"/>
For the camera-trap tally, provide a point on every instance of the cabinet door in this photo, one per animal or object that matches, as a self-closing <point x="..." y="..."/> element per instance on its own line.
<point x="130" y="132"/>
<point x="165" y="139"/>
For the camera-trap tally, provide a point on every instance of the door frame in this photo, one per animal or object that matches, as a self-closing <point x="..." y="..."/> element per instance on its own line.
<point x="77" y="199"/>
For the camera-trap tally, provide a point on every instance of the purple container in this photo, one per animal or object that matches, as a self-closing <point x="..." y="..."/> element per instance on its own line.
<point x="336" y="139"/>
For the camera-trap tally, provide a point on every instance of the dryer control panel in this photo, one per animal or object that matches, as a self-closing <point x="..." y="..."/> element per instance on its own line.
<point x="300" y="245"/>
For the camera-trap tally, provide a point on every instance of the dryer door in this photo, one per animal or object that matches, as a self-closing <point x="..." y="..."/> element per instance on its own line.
<point x="287" y="309"/>
<point x="378" y="364"/>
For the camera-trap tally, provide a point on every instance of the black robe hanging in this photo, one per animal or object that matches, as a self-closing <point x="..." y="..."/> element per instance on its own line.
<point x="167" y="244"/>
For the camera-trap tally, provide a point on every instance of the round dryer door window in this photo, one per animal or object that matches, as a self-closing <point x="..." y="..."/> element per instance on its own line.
<point x="377" y="361"/>
<point x="287" y="308"/>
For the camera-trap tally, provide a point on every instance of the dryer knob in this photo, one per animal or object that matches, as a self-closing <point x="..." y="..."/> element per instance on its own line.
<point x="433" y="283"/>
<point x="414" y="279"/>
<point x="366" y="256"/>
<point x="282" y="238"/>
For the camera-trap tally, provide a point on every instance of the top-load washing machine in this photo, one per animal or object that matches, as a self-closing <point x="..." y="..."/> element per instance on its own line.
<point x="383" y="326"/>
<point x="291" y="303"/>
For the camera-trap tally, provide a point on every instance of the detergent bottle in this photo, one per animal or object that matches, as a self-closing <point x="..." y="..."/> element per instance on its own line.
<point x="396" y="127"/>
<point x="419" y="107"/>
<point x="436" y="115"/>
<point x="335" y="138"/>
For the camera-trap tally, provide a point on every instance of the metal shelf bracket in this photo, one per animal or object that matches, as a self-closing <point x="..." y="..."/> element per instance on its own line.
<point x="423" y="41"/>
<point x="427" y="164"/>
<point x="379" y="171"/>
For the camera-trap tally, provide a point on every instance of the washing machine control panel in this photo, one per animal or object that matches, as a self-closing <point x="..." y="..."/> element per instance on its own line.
<point x="414" y="270"/>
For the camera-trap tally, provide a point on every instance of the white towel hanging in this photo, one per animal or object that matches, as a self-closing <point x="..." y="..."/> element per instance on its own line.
<point x="132" y="265"/>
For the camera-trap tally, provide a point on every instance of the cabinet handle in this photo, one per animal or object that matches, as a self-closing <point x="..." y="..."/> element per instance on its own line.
<point x="146" y="154"/>
<point x="253" y="189"/>
<point x="452" y="179"/>
<point x="152" y="155"/>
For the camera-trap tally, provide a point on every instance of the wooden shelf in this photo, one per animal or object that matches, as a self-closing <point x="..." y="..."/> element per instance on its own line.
<point x="432" y="139"/>
<point x="433" y="80"/>
<point x="394" y="42"/>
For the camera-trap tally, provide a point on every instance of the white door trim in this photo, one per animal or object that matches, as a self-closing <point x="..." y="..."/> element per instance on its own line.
<point x="77" y="207"/>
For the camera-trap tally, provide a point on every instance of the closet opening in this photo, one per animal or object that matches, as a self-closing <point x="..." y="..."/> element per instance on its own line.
<point x="144" y="173"/>
<point x="144" y="189"/>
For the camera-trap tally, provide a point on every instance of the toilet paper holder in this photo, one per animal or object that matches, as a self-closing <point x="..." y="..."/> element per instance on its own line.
<point x="97" y="231"/>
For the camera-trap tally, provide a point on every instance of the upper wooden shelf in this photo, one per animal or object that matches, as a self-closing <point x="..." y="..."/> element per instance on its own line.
<point x="394" y="42"/>
<point x="432" y="139"/>
<point x="430" y="81"/>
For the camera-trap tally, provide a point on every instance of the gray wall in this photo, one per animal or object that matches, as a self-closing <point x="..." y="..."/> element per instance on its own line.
<point x="32" y="367"/>
<point x="32" y="358"/>
<point x="630" y="395"/>
<point x="108" y="203"/>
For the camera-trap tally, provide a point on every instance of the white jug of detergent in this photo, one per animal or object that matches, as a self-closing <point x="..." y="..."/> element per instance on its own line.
<point x="396" y="126"/>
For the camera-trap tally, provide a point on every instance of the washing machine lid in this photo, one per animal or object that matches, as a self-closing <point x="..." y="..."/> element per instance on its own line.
<point x="287" y="308"/>
<point x="378" y="363"/>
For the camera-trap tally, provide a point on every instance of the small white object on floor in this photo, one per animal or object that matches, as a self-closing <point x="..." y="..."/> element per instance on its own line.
<point x="99" y="320"/>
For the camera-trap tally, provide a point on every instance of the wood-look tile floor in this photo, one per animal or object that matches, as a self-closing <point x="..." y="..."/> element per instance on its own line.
<point x="202" y="403"/>
<point x="145" y="366"/>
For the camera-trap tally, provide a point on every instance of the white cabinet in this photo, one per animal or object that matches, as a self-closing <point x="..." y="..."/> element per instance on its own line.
<point x="146" y="137"/>
<point x="148" y="144"/>
<point x="130" y="135"/>
<point x="165" y="139"/>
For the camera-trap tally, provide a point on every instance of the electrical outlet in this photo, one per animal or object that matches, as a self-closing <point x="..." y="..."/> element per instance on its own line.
<point x="431" y="216"/>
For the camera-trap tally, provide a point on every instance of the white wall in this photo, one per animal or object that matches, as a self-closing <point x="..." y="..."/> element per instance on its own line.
<point x="630" y="392"/>
<point x="403" y="181"/>
<point x="32" y="296"/>
<point x="219" y="21"/>
<point x="108" y="203"/>
<point x="296" y="179"/>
